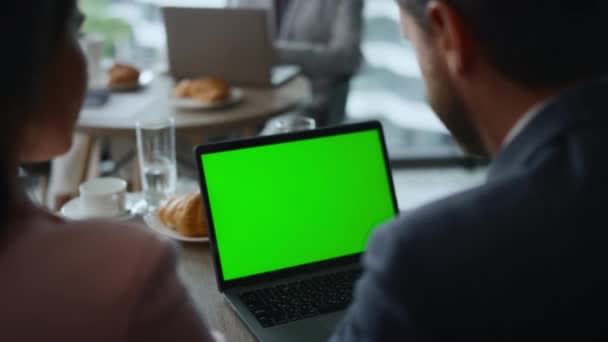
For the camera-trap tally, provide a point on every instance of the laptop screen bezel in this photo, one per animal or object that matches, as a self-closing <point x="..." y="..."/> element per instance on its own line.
<point x="224" y="285"/>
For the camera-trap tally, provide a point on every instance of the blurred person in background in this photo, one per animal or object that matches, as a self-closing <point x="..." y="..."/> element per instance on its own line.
<point x="80" y="280"/>
<point x="323" y="37"/>
<point x="523" y="256"/>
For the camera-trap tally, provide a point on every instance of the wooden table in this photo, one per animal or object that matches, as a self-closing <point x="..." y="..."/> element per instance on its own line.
<point x="119" y="116"/>
<point x="196" y="271"/>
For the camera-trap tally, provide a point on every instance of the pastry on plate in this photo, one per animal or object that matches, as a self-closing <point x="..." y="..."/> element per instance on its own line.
<point x="208" y="90"/>
<point x="184" y="214"/>
<point x="123" y="75"/>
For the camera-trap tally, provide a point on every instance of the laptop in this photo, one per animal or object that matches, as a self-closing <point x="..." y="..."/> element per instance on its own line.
<point x="233" y="44"/>
<point x="289" y="216"/>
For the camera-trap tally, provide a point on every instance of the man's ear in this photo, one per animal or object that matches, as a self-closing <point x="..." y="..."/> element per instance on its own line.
<point x="451" y="37"/>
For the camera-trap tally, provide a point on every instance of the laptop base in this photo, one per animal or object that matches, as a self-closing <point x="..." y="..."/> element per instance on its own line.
<point x="317" y="328"/>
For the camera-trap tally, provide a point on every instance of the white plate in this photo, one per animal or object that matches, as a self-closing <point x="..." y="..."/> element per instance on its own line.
<point x="154" y="223"/>
<point x="145" y="78"/>
<point x="236" y="96"/>
<point x="73" y="211"/>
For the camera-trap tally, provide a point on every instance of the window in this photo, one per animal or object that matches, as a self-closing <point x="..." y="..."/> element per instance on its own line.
<point x="390" y="89"/>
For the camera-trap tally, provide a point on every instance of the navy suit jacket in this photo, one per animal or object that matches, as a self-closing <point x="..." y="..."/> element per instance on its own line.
<point x="522" y="257"/>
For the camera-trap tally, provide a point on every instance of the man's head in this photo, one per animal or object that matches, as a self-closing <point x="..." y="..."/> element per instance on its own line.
<point x="467" y="48"/>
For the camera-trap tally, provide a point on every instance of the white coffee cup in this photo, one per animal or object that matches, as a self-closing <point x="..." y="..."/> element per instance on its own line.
<point x="103" y="197"/>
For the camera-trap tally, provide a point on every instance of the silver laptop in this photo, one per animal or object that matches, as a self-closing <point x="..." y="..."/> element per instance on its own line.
<point x="289" y="216"/>
<point x="233" y="44"/>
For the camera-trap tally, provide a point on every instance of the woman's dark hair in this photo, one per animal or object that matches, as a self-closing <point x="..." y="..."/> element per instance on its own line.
<point x="31" y="33"/>
<point x="538" y="43"/>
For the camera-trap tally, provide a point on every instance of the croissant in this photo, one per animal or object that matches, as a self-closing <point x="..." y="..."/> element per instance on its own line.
<point x="184" y="214"/>
<point x="123" y="74"/>
<point x="208" y="90"/>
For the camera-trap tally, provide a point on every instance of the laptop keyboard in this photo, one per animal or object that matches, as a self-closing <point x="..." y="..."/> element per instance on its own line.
<point x="301" y="299"/>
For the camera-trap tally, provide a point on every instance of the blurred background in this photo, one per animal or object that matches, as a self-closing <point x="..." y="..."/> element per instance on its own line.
<point x="388" y="88"/>
<point x="427" y="163"/>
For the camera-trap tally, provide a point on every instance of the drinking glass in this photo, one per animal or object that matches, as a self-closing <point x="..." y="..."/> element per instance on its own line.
<point x="158" y="166"/>
<point x="289" y="124"/>
<point x="127" y="51"/>
<point x="92" y="47"/>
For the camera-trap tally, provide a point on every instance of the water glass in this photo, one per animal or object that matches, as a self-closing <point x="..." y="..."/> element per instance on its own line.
<point x="156" y="151"/>
<point x="92" y="47"/>
<point x="126" y="51"/>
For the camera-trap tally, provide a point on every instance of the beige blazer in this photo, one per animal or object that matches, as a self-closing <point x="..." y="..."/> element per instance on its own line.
<point x="92" y="281"/>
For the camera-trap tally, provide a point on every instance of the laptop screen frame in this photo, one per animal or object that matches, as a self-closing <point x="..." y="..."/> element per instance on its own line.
<point x="243" y="54"/>
<point x="199" y="151"/>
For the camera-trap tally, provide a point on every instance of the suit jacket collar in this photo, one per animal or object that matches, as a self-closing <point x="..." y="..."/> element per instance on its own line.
<point x="573" y="107"/>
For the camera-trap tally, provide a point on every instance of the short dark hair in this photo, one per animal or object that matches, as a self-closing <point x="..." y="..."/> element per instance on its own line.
<point x="538" y="43"/>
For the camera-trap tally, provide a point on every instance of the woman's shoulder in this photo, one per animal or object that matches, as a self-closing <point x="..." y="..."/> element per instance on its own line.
<point x="102" y="235"/>
<point x="97" y="272"/>
<point x="99" y="250"/>
<point x="120" y="243"/>
<point x="117" y="233"/>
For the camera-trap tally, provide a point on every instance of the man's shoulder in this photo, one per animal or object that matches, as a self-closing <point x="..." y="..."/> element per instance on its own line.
<point x="454" y="209"/>
<point x="453" y="224"/>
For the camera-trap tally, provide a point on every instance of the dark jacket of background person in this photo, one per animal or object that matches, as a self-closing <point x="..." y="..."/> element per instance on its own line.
<point x="323" y="37"/>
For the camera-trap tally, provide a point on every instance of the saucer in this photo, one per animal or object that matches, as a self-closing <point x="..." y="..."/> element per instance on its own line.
<point x="236" y="96"/>
<point x="145" y="78"/>
<point x="153" y="222"/>
<point x="73" y="211"/>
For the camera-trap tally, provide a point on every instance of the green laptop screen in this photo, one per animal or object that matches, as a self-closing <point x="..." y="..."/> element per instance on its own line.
<point x="290" y="204"/>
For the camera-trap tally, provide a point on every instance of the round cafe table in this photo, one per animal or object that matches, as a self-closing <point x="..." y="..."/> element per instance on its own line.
<point x="119" y="115"/>
<point x="117" y="118"/>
